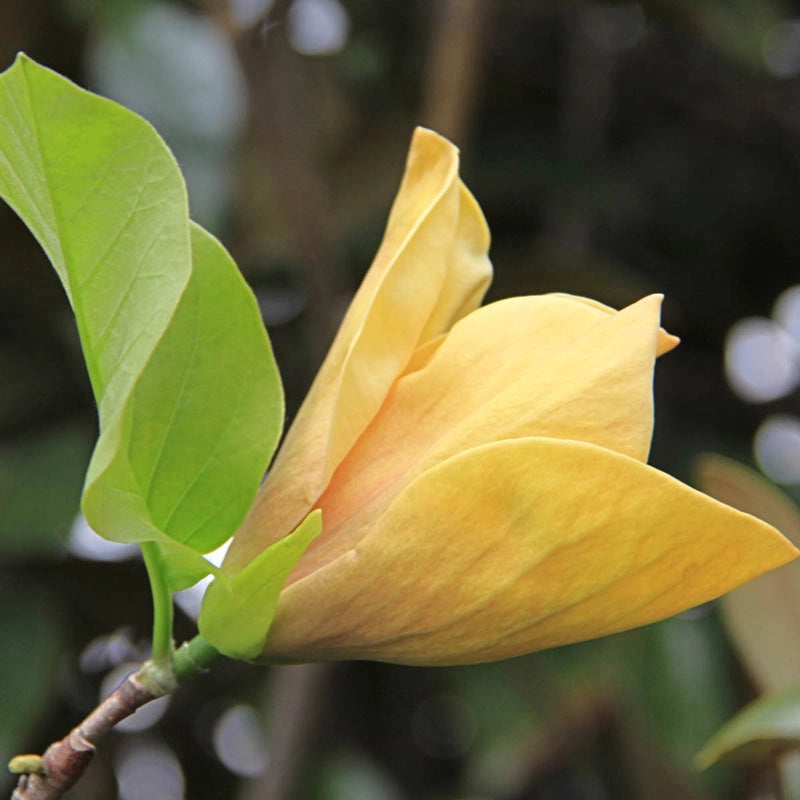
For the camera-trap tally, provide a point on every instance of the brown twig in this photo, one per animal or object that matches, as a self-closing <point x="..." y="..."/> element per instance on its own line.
<point x="63" y="763"/>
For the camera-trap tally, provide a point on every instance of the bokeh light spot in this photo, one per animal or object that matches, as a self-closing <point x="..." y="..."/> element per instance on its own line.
<point x="245" y="13"/>
<point x="317" y="27"/>
<point x="760" y="360"/>
<point x="786" y="312"/>
<point x="777" y="448"/>
<point x="148" y="771"/>
<point x="781" y="49"/>
<point x="189" y="600"/>
<point x="85" y="543"/>
<point x="105" y="652"/>
<point x="239" y="741"/>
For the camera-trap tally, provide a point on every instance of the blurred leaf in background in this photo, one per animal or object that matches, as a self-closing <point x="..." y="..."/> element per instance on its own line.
<point x="179" y="70"/>
<point x="764" y="615"/>
<point x="50" y="464"/>
<point x="32" y="645"/>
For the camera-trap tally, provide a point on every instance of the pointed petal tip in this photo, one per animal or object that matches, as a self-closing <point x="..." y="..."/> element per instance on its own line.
<point x="788" y="550"/>
<point x="428" y="148"/>
<point x="423" y="134"/>
<point x="528" y="591"/>
<point x="666" y="340"/>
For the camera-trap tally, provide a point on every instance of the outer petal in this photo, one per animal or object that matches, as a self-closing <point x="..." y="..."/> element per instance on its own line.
<point x="666" y="341"/>
<point x="517" y="546"/>
<point x="431" y="268"/>
<point x="531" y="366"/>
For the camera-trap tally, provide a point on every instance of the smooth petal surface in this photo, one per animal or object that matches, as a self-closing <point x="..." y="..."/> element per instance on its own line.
<point x="666" y="340"/>
<point x="517" y="546"/>
<point x="431" y="268"/>
<point x="548" y="366"/>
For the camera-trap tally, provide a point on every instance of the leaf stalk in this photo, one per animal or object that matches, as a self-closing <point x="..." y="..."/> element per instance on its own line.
<point x="162" y="603"/>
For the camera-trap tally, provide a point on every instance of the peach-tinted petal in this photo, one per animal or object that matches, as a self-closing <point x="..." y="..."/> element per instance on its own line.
<point x="530" y="366"/>
<point x="468" y="270"/>
<point x="431" y="268"/>
<point x="517" y="546"/>
<point x="441" y="272"/>
<point x="424" y="353"/>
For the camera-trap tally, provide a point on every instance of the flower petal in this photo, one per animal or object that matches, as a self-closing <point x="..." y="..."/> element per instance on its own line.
<point x="431" y="268"/>
<point x="530" y="366"/>
<point x="666" y="341"/>
<point x="517" y="546"/>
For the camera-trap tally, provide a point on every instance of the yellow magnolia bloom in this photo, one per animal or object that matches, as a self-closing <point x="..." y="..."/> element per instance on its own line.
<point x="481" y="471"/>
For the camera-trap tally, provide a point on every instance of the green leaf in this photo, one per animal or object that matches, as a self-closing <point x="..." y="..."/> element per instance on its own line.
<point x="104" y="197"/>
<point x="189" y="396"/>
<point x="768" y="725"/>
<point x="185" y="454"/>
<point x="183" y="567"/>
<point x="237" y="612"/>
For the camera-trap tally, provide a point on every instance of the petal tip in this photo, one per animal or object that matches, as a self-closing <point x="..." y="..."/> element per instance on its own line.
<point x="428" y="136"/>
<point x="428" y="148"/>
<point x="666" y="340"/>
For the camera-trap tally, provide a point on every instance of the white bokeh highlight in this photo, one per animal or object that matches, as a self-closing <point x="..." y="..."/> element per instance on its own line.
<point x="786" y="312"/>
<point x="761" y="360"/>
<point x="148" y="771"/>
<point x="84" y="543"/>
<point x="189" y="600"/>
<point x="781" y="49"/>
<point x="317" y="27"/>
<point x="239" y="741"/>
<point x="180" y="71"/>
<point x="246" y="13"/>
<point x="777" y="448"/>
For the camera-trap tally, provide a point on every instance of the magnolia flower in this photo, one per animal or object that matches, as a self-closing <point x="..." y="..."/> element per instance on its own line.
<point x="481" y="471"/>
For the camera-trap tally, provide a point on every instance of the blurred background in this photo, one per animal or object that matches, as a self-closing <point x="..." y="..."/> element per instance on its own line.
<point x="617" y="149"/>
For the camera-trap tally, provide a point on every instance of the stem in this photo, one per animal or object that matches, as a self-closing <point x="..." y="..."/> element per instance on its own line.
<point x="192" y="658"/>
<point x="65" y="761"/>
<point x="162" y="602"/>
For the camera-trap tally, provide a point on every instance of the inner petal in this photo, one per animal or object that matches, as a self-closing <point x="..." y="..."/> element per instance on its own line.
<point x="531" y="366"/>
